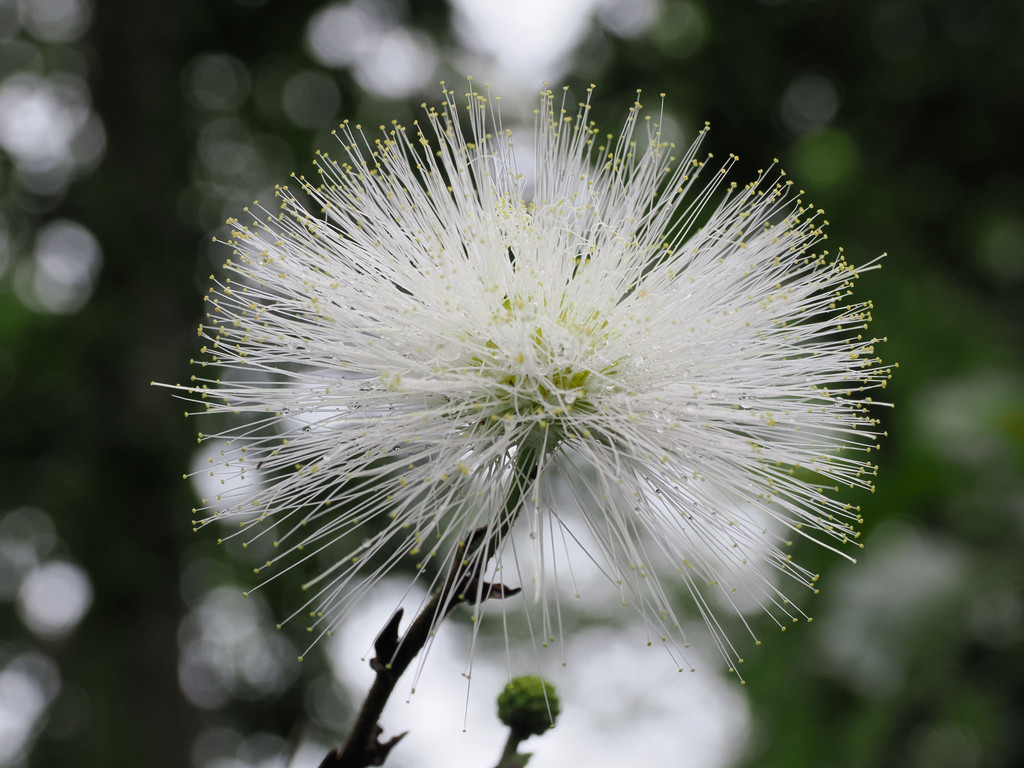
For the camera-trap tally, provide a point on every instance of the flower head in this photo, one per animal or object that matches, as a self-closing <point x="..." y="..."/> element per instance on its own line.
<point x="415" y="353"/>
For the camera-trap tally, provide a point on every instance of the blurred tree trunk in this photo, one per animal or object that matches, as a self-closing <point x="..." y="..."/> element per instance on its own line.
<point x="113" y="478"/>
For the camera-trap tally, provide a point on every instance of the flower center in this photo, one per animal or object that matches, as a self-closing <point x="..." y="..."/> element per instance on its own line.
<point x="539" y="369"/>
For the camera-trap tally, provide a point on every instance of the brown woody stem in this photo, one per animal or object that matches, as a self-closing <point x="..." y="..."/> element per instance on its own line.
<point x="363" y="747"/>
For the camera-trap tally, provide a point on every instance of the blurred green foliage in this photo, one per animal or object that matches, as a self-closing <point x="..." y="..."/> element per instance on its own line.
<point x="901" y="119"/>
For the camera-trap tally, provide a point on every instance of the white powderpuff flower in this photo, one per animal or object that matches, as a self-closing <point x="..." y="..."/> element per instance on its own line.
<point x="417" y="345"/>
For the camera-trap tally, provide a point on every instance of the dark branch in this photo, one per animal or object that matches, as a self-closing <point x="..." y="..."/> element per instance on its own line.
<point x="363" y="747"/>
<point x="393" y="656"/>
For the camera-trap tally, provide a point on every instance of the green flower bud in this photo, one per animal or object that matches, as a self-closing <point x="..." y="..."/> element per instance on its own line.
<point x="528" y="705"/>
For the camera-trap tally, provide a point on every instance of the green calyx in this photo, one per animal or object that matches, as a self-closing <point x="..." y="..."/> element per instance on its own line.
<point x="528" y="705"/>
